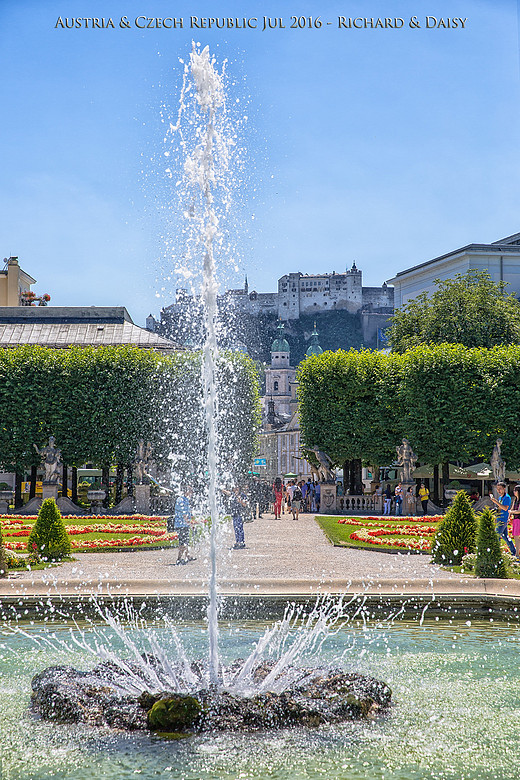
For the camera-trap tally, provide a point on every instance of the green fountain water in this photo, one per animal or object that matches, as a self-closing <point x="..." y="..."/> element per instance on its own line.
<point x="454" y="713"/>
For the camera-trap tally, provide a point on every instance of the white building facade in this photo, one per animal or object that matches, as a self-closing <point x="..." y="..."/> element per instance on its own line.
<point x="501" y="259"/>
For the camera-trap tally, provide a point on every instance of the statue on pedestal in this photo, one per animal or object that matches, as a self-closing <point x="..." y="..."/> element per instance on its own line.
<point x="51" y="459"/>
<point x="142" y="461"/>
<point x="323" y="470"/>
<point x="498" y="464"/>
<point x="406" y="459"/>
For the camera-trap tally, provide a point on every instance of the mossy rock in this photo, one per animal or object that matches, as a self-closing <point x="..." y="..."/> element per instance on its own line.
<point x="175" y="714"/>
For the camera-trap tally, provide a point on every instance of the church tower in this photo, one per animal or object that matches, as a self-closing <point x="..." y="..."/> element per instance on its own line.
<point x="314" y="347"/>
<point x="280" y="375"/>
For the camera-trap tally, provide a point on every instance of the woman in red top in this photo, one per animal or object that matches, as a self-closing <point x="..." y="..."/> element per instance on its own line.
<point x="278" y="495"/>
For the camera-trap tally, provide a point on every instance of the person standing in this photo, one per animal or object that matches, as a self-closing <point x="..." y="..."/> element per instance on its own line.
<point x="515" y="517"/>
<point x="317" y="496"/>
<point x="398" y="493"/>
<point x="183" y="517"/>
<point x="388" y="500"/>
<point x="278" y="497"/>
<point x="296" y="501"/>
<point x="237" y="505"/>
<point x="504" y="504"/>
<point x="424" y="495"/>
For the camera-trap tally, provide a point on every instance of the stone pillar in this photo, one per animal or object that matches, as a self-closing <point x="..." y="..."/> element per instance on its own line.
<point x="142" y="499"/>
<point x="328" y="498"/>
<point x="6" y="497"/>
<point x="49" y="490"/>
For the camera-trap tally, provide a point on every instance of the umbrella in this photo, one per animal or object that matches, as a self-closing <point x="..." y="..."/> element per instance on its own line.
<point x="290" y="476"/>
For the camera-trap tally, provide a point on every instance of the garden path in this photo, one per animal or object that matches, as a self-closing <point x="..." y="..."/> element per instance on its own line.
<point x="282" y="557"/>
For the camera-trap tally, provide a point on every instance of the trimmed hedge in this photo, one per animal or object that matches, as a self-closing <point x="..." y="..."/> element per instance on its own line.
<point x="456" y="534"/>
<point x="49" y="538"/>
<point x="490" y="562"/>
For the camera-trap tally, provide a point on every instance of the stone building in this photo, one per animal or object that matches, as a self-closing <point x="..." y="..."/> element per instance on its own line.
<point x="14" y="283"/>
<point x="297" y="294"/>
<point x="501" y="259"/>
<point x="279" y="440"/>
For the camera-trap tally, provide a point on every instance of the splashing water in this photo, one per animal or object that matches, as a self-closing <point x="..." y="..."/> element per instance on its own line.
<point x="206" y="169"/>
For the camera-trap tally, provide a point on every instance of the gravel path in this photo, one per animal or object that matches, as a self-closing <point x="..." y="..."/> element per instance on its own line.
<point x="283" y="552"/>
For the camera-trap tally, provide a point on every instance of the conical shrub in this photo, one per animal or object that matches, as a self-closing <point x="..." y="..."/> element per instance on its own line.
<point x="49" y="538"/>
<point x="3" y="557"/>
<point x="490" y="562"/>
<point x="457" y="532"/>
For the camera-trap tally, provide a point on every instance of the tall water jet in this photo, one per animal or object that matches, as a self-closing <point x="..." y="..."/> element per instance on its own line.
<point x="205" y="174"/>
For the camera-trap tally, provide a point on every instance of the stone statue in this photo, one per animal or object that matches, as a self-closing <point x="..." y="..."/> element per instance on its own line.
<point x="498" y="464"/>
<point x="142" y="461"/>
<point x="406" y="459"/>
<point x="51" y="459"/>
<point x="324" y="471"/>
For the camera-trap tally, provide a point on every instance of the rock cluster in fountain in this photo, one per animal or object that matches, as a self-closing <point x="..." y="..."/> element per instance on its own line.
<point x="66" y="695"/>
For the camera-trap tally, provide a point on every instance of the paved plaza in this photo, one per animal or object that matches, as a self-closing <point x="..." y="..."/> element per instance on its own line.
<point x="282" y="557"/>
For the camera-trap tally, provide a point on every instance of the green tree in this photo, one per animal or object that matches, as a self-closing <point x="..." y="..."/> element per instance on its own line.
<point x="490" y="562"/>
<point x="469" y="309"/>
<point x="49" y="536"/>
<point x="348" y="405"/>
<point x="456" y="534"/>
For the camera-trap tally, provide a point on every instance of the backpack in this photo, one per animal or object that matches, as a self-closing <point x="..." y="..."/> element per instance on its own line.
<point x="297" y="494"/>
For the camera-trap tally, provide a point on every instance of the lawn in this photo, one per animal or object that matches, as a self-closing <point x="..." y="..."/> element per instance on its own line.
<point x="95" y="534"/>
<point x="410" y="534"/>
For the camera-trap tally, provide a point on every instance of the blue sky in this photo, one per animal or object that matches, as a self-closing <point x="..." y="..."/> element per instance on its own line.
<point x="387" y="147"/>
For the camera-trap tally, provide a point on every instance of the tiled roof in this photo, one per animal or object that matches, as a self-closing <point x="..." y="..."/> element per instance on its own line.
<point x="92" y="331"/>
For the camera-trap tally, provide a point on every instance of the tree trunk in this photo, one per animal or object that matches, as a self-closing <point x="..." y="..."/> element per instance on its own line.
<point x="445" y="479"/>
<point x="120" y="473"/>
<point x="105" y="479"/>
<point x="352" y="478"/>
<point x="18" y="501"/>
<point x="346" y="476"/>
<point x="32" y="486"/>
<point x="64" y="480"/>
<point x="435" y="496"/>
<point x="74" y="485"/>
<point x="129" y="481"/>
<point x="358" y="471"/>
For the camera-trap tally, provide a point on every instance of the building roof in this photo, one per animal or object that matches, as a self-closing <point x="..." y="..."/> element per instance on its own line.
<point x="280" y="344"/>
<point x="83" y="326"/>
<point x="507" y="245"/>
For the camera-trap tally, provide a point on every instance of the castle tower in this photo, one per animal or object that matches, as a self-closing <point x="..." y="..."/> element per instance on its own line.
<point x="354" y="289"/>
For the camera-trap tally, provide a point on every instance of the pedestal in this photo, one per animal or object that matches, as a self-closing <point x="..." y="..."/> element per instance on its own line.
<point x="6" y="497"/>
<point x="142" y="499"/>
<point x="328" y="498"/>
<point x="50" y="490"/>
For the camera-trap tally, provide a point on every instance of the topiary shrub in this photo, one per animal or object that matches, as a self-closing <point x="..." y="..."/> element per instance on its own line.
<point x="456" y="535"/>
<point x="490" y="562"/>
<point x="3" y="556"/>
<point x="49" y="538"/>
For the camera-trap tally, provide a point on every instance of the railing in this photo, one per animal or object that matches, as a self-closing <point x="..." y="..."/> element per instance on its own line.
<point x="360" y="504"/>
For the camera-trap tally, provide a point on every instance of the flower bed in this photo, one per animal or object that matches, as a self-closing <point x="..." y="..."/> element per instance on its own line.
<point x="414" y="534"/>
<point x="406" y="533"/>
<point x="130" y="531"/>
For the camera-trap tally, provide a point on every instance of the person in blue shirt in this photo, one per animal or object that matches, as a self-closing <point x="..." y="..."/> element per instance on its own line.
<point x="182" y="522"/>
<point x="504" y="504"/>
<point x="237" y="504"/>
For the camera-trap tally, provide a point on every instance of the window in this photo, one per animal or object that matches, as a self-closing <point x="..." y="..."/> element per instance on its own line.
<point x="276" y="385"/>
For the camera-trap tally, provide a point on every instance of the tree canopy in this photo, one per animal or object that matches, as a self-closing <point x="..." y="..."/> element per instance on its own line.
<point x="451" y="402"/>
<point x="470" y="309"/>
<point x="99" y="402"/>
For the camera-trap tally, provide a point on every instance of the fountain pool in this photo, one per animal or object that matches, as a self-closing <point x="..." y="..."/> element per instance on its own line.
<point x="454" y="712"/>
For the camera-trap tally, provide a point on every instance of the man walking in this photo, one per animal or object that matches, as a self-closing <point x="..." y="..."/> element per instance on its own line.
<point x="504" y="504"/>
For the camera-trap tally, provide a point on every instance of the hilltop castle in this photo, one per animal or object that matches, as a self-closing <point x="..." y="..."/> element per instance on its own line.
<point x="300" y="294"/>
